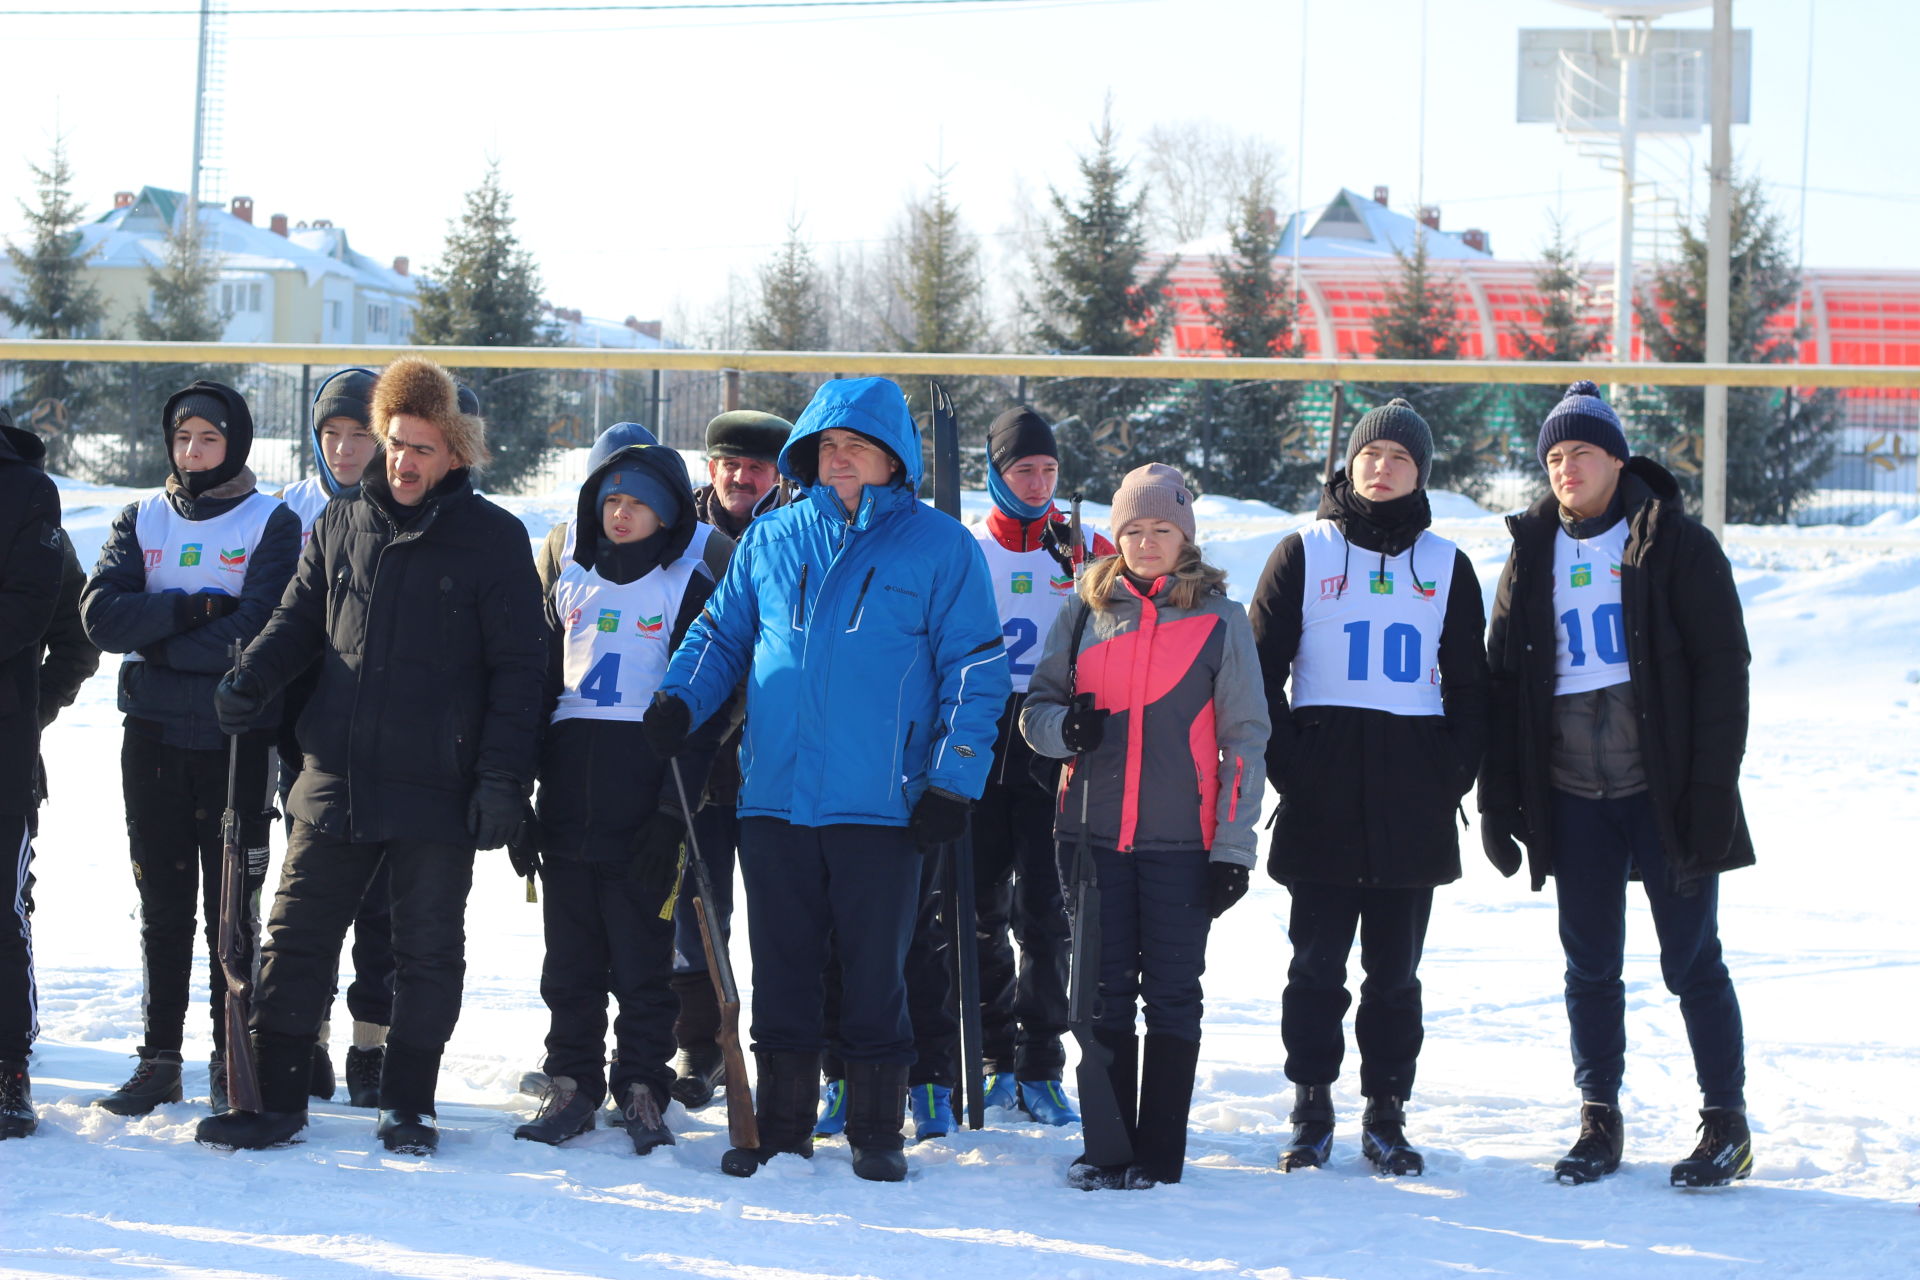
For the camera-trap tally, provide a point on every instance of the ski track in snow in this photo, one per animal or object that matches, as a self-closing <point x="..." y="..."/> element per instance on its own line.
<point x="1822" y="938"/>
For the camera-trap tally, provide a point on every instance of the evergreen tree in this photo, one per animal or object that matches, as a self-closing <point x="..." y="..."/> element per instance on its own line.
<point x="485" y="292"/>
<point x="1564" y="334"/>
<point x="1420" y="322"/>
<point x="1093" y="300"/>
<point x="789" y="315"/>
<point x="56" y="299"/>
<point x="1252" y="441"/>
<point x="939" y="306"/>
<point x="1779" y="445"/>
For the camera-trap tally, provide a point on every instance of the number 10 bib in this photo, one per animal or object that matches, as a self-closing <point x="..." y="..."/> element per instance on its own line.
<point x="1589" y="634"/>
<point x="1370" y="632"/>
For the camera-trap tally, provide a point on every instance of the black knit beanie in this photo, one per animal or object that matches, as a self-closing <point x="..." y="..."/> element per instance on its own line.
<point x="1583" y="415"/>
<point x="1397" y="421"/>
<point x="1019" y="433"/>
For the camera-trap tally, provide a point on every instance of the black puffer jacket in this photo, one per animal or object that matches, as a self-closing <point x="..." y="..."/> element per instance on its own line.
<point x="29" y="585"/>
<point x="1687" y="651"/>
<point x="1368" y="797"/>
<point x="431" y="641"/>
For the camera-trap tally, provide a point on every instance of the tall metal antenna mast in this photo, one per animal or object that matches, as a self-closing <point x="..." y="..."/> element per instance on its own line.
<point x="209" y="84"/>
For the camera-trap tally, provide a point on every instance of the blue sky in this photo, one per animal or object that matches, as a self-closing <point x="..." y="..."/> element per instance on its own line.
<point x="651" y="154"/>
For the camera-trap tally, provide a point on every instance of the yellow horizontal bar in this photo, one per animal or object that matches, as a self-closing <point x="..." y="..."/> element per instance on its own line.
<point x="876" y="362"/>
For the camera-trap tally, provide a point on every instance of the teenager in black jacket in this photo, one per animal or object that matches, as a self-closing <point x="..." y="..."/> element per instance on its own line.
<point x="418" y="599"/>
<point x="184" y="574"/>
<point x="1619" y="721"/>
<point x="1376" y="623"/>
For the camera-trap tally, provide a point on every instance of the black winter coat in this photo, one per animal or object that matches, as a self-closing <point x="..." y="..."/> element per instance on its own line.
<point x="70" y="657"/>
<point x="431" y="643"/>
<point x="1368" y="797"/>
<point x="169" y="696"/>
<point x="30" y="558"/>
<point x="1687" y="652"/>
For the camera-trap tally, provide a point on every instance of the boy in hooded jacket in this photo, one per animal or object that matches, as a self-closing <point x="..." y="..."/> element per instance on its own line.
<point x="1375" y="623"/>
<point x="185" y="574"/>
<point x="623" y="580"/>
<point x="864" y="625"/>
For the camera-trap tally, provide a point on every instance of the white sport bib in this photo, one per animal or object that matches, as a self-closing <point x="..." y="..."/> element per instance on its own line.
<point x="307" y="498"/>
<point x="1029" y="587"/>
<point x="192" y="557"/>
<point x="618" y="638"/>
<point x="1589" y="633"/>
<point x="1370" y="634"/>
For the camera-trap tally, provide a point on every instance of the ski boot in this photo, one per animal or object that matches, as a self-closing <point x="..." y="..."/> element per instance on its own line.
<point x="833" y="1111"/>
<point x="565" y="1112"/>
<point x="363" y="1076"/>
<point x="1383" y="1139"/>
<point x="641" y="1118"/>
<point x="154" y="1081"/>
<point x="1596" y="1152"/>
<point x="932" y="1107"/>
<point x="876" y="1102"/>
<point x="1725" y="1151"/>
<point x="17" y="1118"/>
<point x="1046" y="1102"/>
<point x="1312" y="1121"/>
<point x="1003" y="1090"/>
<point x="697" y="1071"/>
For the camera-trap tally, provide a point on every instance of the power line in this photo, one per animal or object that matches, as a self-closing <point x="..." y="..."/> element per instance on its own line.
<point x="313" y="11"/>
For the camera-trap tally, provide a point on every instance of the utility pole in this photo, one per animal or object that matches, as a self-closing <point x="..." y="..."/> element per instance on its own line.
<point x="1719" y="233"/>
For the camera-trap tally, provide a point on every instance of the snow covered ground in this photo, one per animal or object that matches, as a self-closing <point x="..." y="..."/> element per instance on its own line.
<point x="1823" y="937"/>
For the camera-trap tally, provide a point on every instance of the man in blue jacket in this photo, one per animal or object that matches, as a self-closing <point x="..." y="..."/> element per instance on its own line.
<point x="865" y="626"/>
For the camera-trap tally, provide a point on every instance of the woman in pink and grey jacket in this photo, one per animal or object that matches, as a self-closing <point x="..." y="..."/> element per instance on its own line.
<point x="1150" y="682"/>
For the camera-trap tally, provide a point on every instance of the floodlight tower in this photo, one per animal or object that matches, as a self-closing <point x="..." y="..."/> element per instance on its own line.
<point x="204" y="182"/>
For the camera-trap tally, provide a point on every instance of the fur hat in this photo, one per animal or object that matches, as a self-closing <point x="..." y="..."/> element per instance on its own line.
<point x="420" y="388"/>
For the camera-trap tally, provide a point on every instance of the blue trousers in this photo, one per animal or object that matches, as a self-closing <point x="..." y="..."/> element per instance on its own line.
<point x="852" y="884"/>
<point x="717" y="828"/>
<point x="1596" y="845"/>
<point x="1153" y="937"/>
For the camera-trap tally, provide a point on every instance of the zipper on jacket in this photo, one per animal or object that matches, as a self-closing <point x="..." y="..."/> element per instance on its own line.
<point x="800" y="602"/>
<point x="859" y="600"/>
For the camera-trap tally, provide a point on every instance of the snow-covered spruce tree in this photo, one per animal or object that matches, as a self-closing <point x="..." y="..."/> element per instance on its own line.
<point x="1778" y="444"/>
<point x="1092" y="300"/>
<point x="485" y="292"/>
<point x="790" y="314"/>
<point x="54" y="299"/>
<point x="1564" y="334"/>
<point x="1249" y="437"/>
<point x="1421" y="323"/>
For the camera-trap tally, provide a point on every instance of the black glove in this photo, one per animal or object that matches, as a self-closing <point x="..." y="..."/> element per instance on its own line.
<point x="939" y="818"/>
<point x="238" y="700"/>
<point x="1226" y="885"/>
<point x="495" y="812"/>
<point x="656" y="852"/>
<point x="1057" y="542"/>
<point x="1500" y="834"/>
<point x="199" y="609"/>
<point x="666" y="724"/>
<point x="523" y="851"/>
<point x="1085" y="725"/>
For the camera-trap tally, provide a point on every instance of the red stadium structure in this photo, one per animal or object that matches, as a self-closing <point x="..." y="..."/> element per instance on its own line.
<point x="1347" y="260"/>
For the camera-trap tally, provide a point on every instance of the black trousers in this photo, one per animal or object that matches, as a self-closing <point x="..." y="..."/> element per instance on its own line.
<point x="932" y="1006"/>
<point x="174" y="799"/>
<point x="605" y="937"/>
<point x="322" y="884"/>
<point x="1153" y="938"/>
<point x="1023" y="1006"/>
<point x="1393" y="930"/>
<point x="19" y="999"/>
<point x="806" y="885"/>
<point x="1596" y="845"/>
<point x="370" y="995"/>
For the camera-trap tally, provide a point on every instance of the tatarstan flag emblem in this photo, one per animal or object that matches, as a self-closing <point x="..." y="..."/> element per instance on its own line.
<point x="234" y="559"/>
<point x="1061" y="582"/>
<point x="650" y="626"/>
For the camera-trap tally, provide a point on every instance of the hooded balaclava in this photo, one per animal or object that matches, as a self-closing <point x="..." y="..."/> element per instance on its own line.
<point x="227" y="410"/>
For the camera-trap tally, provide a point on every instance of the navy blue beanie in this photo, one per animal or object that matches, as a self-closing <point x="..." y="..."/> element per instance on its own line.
<point x="642" y="485"/>
<point x="1583" y="415"/>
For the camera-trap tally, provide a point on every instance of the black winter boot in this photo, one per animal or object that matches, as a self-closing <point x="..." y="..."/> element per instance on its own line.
<point x="1312" y="1121"/>
<point x="698" y="1068"/>
<point x="1166" y="1095"/>
<point x="407" y="1079"/>
<point x="363" y="1076"/>
<point x="1596" y="1152"/>
<point x="640" y="1116"/>
<point x="17" y="1118"/>
<point x="217" y="1083"/>
<point x="154" y="1081"/>
<point x="1124" y="1075"/>
<point x="1725" y="1151"/>
<point x="876" y="1112"/>
<point x="284" y="1064"/>
<point x="1383" y="1139"/>
<point x="786" y="1098"/>
<point x="320" y="1080"/>
<point x="565" y="1112"/>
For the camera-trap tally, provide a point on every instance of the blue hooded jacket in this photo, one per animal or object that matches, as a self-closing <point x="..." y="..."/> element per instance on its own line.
<point x="871" y="647"/>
